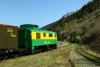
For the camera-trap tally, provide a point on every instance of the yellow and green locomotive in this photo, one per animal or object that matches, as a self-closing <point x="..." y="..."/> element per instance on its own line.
<point x="36" y="40"/>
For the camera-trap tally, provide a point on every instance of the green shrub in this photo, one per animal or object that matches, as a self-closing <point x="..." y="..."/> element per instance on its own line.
<point x="97" y="16"/>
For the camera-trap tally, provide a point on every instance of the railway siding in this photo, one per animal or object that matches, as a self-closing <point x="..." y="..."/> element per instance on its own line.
<point x="79" y="60"/>
<point x="89" y="56"/>
<point x="90" y="52"/>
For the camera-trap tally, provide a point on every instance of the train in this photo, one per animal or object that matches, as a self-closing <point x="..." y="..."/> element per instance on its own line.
<point x="24" y="40"/>
<point x="76" y="38"/>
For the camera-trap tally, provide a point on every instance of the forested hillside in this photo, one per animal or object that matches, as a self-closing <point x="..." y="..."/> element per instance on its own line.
<point x="85" y="22"/>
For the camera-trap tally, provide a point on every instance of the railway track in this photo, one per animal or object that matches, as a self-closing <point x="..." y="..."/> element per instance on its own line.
<point x="89" y="56"/>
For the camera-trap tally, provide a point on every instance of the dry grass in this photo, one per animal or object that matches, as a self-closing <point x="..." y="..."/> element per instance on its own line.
<point x="54" y="58"/>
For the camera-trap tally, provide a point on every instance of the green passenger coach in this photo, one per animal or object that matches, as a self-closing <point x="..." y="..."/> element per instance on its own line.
<point x="35" y="40"/>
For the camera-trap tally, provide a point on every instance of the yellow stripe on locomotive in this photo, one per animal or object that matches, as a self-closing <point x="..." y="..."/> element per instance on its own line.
<point x="43" y="35"/>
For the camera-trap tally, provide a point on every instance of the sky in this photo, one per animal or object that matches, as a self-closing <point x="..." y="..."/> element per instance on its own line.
<point x="39" y="12"/>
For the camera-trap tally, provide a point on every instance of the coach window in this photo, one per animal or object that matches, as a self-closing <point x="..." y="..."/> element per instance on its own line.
<point x="55" y="35"/>
<point x="37" y="35"/>
<point x="50" y="35"/>
<point x="44" y="34"/>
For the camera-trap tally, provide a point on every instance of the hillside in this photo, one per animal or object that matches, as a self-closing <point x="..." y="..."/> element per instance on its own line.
<point x="84" y="22"/>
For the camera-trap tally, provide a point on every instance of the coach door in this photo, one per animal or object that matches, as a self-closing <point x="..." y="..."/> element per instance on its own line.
<point x="22" y="38"/>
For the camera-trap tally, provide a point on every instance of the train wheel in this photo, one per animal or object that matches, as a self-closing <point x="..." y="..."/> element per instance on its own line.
<point x="47" y="48"/>
<point x="2" y="56"/>
<point x="36" y="51"/>
<point x="44" y="49"/>
<point x="55" y="46"/>
<point x="40" y="50"/>
<point x="16" y="55"/>
<point x="51" y="47"/>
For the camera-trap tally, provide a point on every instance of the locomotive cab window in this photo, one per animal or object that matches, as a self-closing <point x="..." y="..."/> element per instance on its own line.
<point x="50" y="35"/>
<point x="44" y="34"/>
<point x="37" y="35"/>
